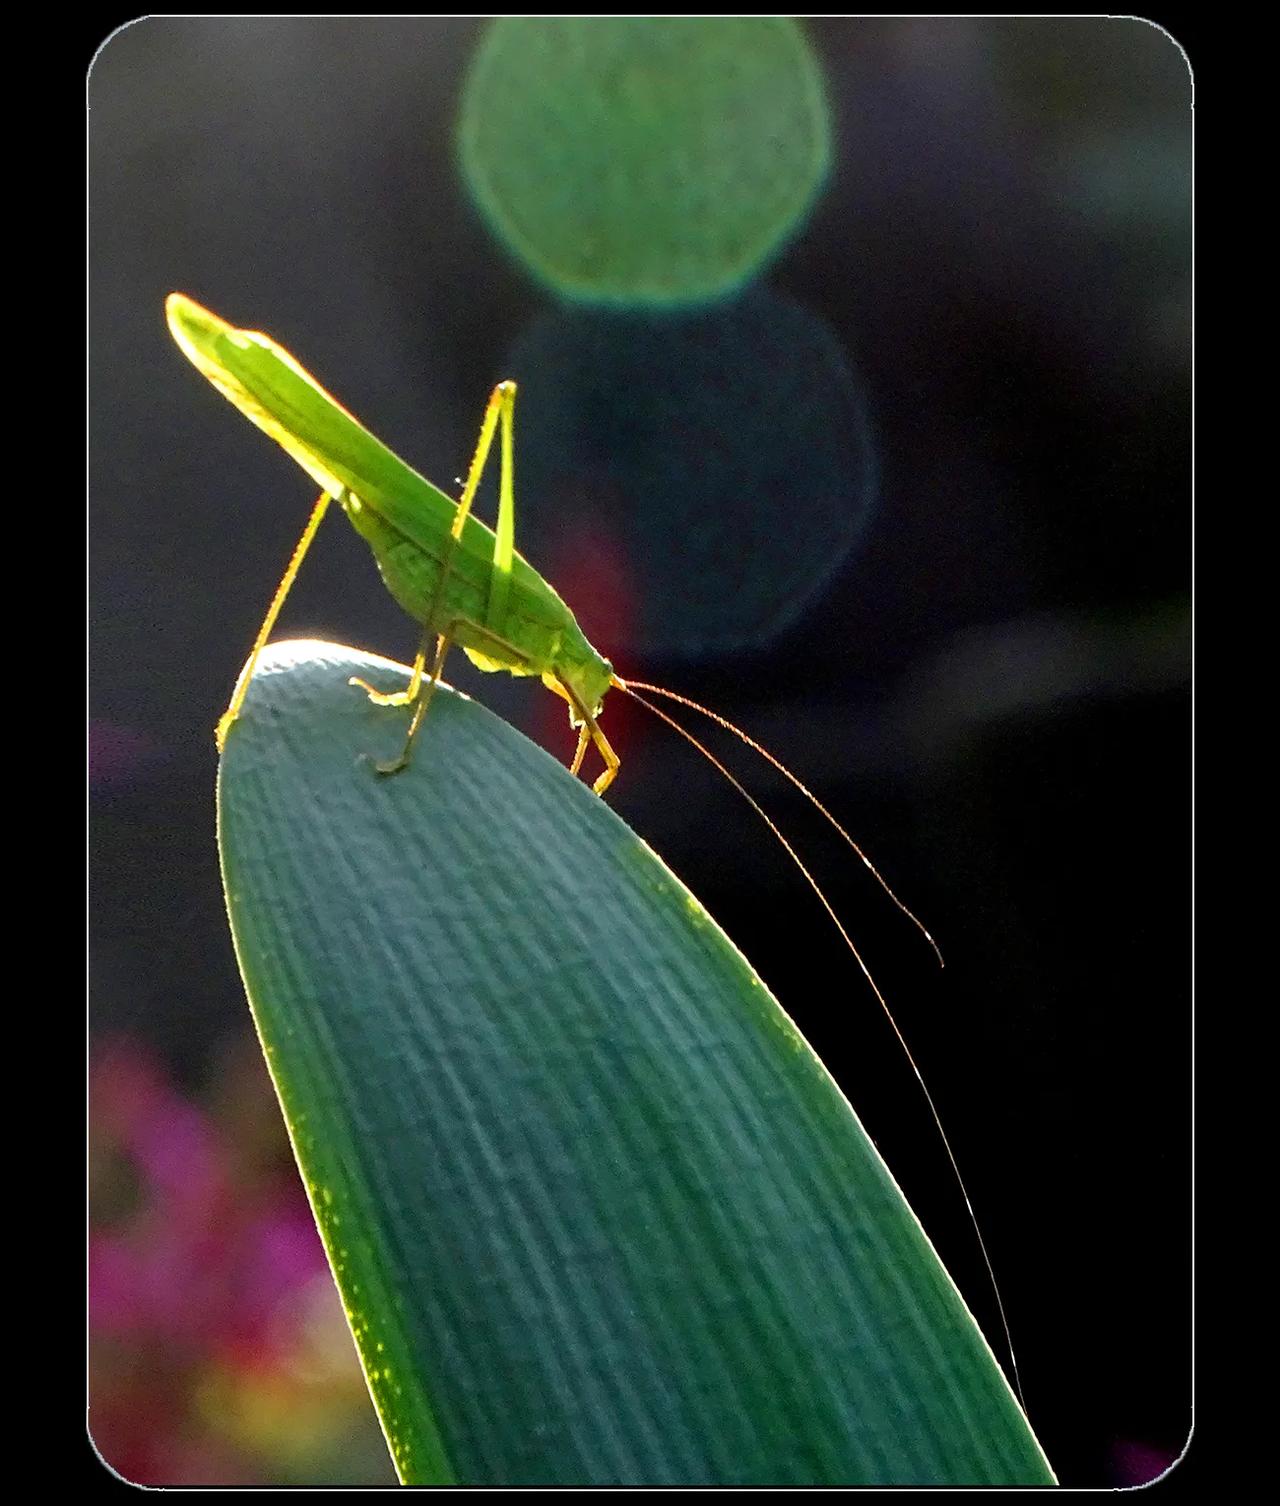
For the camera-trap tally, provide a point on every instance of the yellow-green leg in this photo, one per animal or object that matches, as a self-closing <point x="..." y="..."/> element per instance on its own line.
<point x="269" y="621"/>
<point x="590" y="731"/>
<point x="612" y="763"/>
<point x="443" y="644"/>
<point x="399" y="697"/>
<point x="501" y="401"/>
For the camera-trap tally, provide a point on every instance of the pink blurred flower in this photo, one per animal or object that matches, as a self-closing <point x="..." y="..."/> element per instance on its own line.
<point x="1134" y="1463"/>
<point x="203" y="1270"/>
<point x="116" y="754"/>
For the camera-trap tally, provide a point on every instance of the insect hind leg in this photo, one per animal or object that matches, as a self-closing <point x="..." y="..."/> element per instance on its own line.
<point x="404" y="697"/>
<point x="443" y="645"/>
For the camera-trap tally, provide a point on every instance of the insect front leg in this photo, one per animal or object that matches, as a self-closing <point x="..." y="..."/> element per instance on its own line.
<point x="590" y="731"/>
<point x="612" y="763"/>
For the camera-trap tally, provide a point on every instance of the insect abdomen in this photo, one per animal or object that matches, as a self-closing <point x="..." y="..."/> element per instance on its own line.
<point x="412" y="576"/>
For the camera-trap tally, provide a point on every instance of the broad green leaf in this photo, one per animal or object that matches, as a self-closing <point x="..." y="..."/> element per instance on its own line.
<point x="598" y="1214"/>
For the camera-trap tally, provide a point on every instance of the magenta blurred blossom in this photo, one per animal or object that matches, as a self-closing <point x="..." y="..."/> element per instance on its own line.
<point x="1135" y="1463"/>
<point x="177" y="1152"/>
<point x="116" y="753"/>
<point x="283" y="1253"/>
<point x="171" y="1142"/>
<point x="200" y="1261"/>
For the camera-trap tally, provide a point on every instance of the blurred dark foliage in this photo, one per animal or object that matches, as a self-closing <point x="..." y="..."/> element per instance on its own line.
<point x="992" y="689"/>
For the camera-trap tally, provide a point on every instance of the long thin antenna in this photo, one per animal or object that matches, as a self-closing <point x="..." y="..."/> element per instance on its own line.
<point x="683" y="700"/>
<point x="632" y="689"/>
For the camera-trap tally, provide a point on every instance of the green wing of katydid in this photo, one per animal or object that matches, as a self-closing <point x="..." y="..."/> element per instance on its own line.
<point x="286" y="402"/>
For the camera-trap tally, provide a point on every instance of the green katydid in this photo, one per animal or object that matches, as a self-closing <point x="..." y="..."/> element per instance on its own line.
<point x="463" y="582"/>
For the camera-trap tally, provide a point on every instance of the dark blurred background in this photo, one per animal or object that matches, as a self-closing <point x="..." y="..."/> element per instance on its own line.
<point x="912" y="507"/>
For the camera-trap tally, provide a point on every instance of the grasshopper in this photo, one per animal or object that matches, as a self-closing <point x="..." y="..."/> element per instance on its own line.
<point x="463" y="581"/>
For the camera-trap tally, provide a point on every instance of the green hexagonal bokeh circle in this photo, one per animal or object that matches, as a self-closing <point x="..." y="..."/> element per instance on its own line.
<point x="644" y="160"/>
